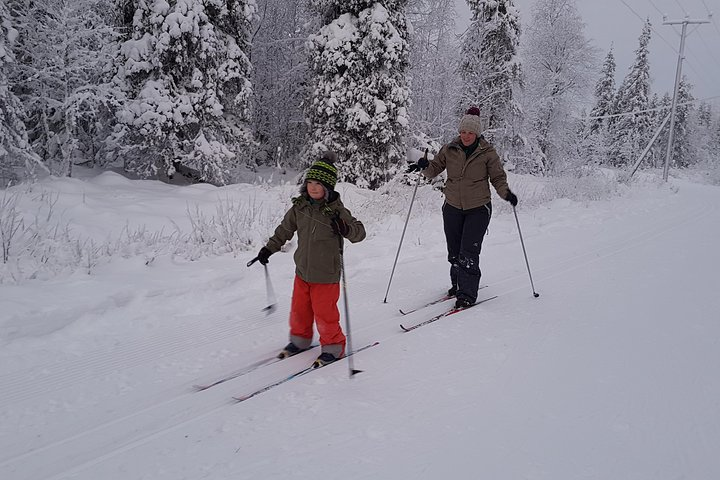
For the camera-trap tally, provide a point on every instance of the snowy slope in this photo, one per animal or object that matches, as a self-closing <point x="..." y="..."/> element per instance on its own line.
<point x="610" y="373"/>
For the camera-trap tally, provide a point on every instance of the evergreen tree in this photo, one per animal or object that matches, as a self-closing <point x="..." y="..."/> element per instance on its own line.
<point x="661" y="109"/>
<point x="604" y="94"/>
<point x="185" y="70"/>
<point x="17" y="161"/>
<point x="358" y="105"/>
<point x="683" y="152"/>
<point x="630" y="132"/>
<point x="488" y="65"/>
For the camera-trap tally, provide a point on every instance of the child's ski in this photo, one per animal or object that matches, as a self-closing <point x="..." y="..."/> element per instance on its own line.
<point x="297" y="374"/>
<point x="243" y="371"/>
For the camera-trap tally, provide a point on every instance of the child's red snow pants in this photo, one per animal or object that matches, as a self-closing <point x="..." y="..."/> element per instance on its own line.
<point x="318" y="302"/>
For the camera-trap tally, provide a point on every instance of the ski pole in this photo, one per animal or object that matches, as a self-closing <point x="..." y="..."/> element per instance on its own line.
<point x="535" y="294"/>
<point x="351" y="368"/>
<point x="412" y="200"/>
<point x="272" y="300"/>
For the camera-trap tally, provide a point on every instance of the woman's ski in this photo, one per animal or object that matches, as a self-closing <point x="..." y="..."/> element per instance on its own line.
<point x="447" y="313"/>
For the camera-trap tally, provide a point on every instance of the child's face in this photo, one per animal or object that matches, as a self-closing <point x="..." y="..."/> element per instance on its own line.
<point x="315" y="189"/>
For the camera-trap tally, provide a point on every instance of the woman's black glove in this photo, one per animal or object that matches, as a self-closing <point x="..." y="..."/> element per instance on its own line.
<point x="512" y="198"/>
<point x="421" y="164"/>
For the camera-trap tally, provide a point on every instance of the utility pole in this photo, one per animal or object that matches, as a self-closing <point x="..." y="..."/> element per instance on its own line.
<point x="685" y="22"/>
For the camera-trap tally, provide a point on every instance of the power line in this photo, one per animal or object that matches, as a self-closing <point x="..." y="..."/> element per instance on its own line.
<point x="651" y="27"/>
<point x="681" y="7"/>
<point x="656" y="109"/>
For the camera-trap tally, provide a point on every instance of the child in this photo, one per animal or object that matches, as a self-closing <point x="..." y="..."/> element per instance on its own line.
<point x="320" y="219"/>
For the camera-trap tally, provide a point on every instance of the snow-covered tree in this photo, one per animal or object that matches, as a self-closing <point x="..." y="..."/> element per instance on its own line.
<point x="186" y="73"/>
<point x="63" y="55"/>
<point x="559" y="65"/>
<point x="490" y="73"/>
<point x="702" y="131"/>
<point x="630" y="132"/>
<point x="683" y="152"/>
<point x="17" y="161"/>
<point x="604" y="94"/>
<point x="358" y="105"/>
<point x="433" y="67"/>
<point x="280" y="69"/>
<point x="489" y="66"/>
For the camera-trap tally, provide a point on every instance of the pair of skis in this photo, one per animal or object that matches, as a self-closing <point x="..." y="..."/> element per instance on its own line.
<point x="266" y="362"/>
<point x="437" y="317"/>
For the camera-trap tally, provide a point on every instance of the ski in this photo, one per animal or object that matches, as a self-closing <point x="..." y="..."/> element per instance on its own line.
<point x="244" y="371"/>
<point x="447" y="313"/>
<point x="294" y="375"/>
<point x="444" y="298"/>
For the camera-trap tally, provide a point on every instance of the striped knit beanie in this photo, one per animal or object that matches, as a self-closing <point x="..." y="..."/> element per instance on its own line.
<point x="324" y="171"/>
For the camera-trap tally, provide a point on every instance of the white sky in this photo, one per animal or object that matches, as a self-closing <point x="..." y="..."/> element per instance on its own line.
<point x="619" y="23"/>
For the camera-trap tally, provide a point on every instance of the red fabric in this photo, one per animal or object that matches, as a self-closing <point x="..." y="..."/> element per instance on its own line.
<point x="318" y="302"/>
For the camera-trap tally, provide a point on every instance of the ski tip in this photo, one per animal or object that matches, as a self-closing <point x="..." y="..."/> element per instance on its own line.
<point x="404" y="328"/>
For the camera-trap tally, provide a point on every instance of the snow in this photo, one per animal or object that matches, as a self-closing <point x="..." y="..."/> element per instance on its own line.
<point x="609" y="374"/>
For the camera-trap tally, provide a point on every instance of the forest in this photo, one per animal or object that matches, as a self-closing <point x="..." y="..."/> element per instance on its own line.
<point x="189" y="91"/>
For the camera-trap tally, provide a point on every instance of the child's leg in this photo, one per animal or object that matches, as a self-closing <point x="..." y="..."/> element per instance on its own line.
<point x="301" y="315"/>
<point x="327" y="317"/>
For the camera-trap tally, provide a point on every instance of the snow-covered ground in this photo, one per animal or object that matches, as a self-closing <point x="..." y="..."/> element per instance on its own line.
<point x="610" y="374"/>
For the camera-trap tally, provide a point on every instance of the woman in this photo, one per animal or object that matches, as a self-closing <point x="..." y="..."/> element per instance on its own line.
<point x="471" y="163"/>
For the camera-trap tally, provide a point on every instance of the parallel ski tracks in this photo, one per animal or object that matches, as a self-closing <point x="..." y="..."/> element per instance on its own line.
<point x="20" y="386"/>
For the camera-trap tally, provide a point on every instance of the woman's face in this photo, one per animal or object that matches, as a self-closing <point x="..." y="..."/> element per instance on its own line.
<point x="467" y="138"/>
<point x="315" y="189"/>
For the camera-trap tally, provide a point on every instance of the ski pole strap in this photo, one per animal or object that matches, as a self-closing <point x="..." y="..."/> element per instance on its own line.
<point x="253" y="261"/>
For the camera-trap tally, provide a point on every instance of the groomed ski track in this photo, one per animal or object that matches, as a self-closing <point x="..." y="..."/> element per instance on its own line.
<point x="86" y="415"/>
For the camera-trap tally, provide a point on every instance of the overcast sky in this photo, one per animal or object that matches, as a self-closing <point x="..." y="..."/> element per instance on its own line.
<point x="619" y="23"/>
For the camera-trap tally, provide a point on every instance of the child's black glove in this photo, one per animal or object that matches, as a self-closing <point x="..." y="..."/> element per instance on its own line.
<point x="339" y="226"/>
<point x="512" y="198"/>
<point x="264" y="255"/>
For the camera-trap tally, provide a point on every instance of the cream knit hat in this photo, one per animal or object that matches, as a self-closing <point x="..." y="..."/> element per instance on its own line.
<point x="470" y="122"/>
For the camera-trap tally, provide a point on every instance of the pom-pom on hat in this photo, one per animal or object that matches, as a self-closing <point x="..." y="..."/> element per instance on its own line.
<point x="470" y="122"/>
<point x="324" y="170"/>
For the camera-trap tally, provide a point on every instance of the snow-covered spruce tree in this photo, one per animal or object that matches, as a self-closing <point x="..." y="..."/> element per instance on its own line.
<point x="683" y="153"/>
<point x="488" y="62"/>
<point x="703" y="122"/>
<point x="433" y="75"/>
<point x="359" y="99"/>
<point x="592" y="133"/>
<point x="659" y="109"/>
<point x="279" y="62"/>
<point x="185" y="71"/>
<point x="629" y="133"/>
<point x="559" y="65"/>
<point x="17" y="161"/>
<point x="604" y="94"/>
